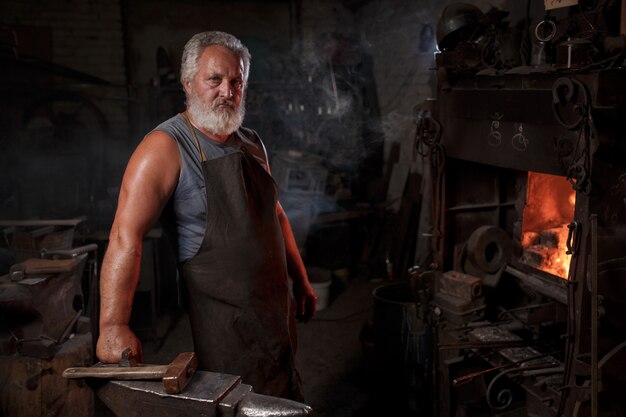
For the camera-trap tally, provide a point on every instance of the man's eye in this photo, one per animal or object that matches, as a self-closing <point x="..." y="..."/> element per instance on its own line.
<point x="215" y="80"/>
<point x="237" y="84"/>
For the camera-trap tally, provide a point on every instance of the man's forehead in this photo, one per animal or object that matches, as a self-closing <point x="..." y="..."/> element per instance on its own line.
<point x="215" y="56"/>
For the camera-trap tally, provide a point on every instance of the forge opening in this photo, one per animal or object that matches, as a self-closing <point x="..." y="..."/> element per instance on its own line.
<point x="548" y="210"/>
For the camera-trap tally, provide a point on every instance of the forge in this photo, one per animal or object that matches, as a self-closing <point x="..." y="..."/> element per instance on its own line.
<point x="528" y="189"/>
<point x="548" y="212"/>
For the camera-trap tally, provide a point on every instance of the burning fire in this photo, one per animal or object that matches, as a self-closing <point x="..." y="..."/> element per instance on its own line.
<point x="550" y="202"/>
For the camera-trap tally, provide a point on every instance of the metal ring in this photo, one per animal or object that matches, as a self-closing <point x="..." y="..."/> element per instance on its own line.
<point x="550" y="35"/>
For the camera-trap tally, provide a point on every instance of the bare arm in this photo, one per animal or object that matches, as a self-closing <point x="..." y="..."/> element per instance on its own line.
<point x="150" y="178"/>
<point x="306" y="300"/>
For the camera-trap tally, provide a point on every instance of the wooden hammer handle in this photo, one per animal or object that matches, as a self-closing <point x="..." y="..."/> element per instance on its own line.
<point x="117" y="372"/>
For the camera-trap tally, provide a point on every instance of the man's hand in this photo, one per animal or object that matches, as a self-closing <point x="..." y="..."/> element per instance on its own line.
<point x="306" y="300"/>
<point x="114" y="340"/>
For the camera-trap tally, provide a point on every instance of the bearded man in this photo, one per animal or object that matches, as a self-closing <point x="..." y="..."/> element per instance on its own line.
<point x="207" y="180"/>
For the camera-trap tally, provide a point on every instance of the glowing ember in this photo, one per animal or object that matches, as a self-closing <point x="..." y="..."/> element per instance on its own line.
<point x="547" y="251"/>
<point x="550" y="202"/>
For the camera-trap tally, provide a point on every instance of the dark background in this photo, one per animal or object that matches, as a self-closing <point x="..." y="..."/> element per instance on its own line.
<point x="332" y="92"/>
<point x="84" y="81"/>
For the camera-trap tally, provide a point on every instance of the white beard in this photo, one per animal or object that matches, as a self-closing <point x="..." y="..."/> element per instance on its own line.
<point x="214" y="119"/>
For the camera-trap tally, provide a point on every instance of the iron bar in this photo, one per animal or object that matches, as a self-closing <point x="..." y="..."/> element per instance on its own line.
<point x="594" y="315"/>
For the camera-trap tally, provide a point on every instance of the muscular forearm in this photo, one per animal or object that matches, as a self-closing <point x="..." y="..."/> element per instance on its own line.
<point x="119" y="276"/>
<point x="120" y="273"/>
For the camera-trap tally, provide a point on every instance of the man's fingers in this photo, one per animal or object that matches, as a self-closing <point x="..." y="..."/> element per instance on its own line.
<point x="302" y="305"/>
<point x="114" y="340"/>
<point x="310" y="303"/>
<point x="313" y="307"/>
<point x="139" y="353"/>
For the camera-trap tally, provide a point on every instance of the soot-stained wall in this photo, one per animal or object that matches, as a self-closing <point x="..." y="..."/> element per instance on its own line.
<point x="334" y="78"/>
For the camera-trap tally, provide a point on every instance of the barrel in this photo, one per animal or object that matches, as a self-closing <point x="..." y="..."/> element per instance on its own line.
<point x="401" y="347"/>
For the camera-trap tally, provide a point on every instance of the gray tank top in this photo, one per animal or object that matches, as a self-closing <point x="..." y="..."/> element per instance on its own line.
<point x="184" y="216"/>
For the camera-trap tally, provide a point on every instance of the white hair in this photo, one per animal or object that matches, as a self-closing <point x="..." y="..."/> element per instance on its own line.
<point x="196" y="45"/>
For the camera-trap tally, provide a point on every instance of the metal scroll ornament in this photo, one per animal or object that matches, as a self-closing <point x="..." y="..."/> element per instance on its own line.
<point x="572" y="109"/>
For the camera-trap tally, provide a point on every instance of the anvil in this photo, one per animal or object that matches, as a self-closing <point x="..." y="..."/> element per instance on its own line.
<point x="208" y="394"/>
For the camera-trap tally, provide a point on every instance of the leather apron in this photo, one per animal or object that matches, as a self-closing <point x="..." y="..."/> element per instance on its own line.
<point x="237" y="285"/>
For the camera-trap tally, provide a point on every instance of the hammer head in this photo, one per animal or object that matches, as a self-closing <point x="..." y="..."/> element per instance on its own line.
<point x="179" y="372"/>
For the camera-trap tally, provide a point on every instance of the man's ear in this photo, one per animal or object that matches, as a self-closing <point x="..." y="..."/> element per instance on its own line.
<point x="187" y="86"/>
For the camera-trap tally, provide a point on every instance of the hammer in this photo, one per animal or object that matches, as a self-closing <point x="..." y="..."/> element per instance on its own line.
<point x="175" y="376"/>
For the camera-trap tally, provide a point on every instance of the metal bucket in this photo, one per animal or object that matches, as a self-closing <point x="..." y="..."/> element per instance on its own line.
<point x="401" y="347"/>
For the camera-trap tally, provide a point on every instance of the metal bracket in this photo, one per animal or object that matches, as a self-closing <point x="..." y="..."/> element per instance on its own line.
<point x="572" y="238"/>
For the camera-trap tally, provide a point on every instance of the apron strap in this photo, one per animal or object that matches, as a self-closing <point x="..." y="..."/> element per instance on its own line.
<point x="193" y="133"/>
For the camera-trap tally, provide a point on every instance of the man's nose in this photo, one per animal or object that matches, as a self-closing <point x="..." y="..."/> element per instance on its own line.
<point x="226" y="90"/>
